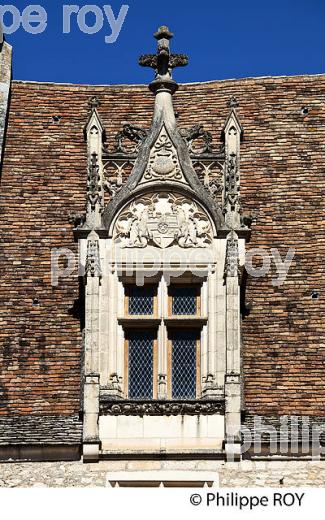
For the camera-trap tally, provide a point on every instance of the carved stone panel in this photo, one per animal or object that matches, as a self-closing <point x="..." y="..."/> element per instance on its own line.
<point x="158" y="408"/>
<point x="163" y="162"/>
<point x="162" y="220"/>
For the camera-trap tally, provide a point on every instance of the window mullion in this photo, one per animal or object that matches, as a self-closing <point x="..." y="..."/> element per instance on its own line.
<point x="162" y="340"/>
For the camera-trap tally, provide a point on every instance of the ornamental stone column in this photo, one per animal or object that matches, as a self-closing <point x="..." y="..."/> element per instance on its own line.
<point x="93" y="273"/>
<point x="233" y="357"/>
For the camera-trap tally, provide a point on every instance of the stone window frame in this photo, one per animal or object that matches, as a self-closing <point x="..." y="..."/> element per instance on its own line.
<point x="169" y="322"/>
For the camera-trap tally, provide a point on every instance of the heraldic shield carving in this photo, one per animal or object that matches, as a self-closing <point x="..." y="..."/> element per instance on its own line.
<point x="163" y="162"/>
<point x="163" y="220"/>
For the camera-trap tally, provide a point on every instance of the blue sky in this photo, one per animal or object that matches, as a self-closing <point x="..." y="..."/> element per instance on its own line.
<point x="223" y="40"/>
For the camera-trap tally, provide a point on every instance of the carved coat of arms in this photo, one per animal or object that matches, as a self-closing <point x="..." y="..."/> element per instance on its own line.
<point x="163" y="162"/>
<point x="162" y="220"/>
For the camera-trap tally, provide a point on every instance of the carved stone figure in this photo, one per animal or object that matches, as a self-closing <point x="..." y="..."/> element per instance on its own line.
<point x="139" y="233"/>
<point x="163" y="220"/>
<point x="132" y="227"/>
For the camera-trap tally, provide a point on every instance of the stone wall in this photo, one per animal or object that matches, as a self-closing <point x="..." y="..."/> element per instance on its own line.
<point x="244" y="474"/>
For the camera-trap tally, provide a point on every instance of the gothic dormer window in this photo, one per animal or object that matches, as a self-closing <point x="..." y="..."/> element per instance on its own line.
<point x="162" y="243"/>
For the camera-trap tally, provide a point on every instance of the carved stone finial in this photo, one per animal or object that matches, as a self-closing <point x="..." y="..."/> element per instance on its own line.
<point x="163" y="32"/>
<point x="94" y="196"/>
<point x="232" y="206"/>
<point x="94" y="102"/>
<point x="163" y="62"/>
<point x="232" y="255"/>
<point x="93" y="267"/>
<point x="233" y="103"/>
<point x="231" y="187"/>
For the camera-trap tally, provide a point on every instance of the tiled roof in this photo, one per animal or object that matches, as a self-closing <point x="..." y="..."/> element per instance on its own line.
<point x="282" y="185"/>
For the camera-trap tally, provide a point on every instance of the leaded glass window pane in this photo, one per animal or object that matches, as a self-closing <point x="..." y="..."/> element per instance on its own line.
<point x="184" y="364"/>
<point x="141" y="300"/>
<point x="140" y="365"/>
<point x="184" y="300"/>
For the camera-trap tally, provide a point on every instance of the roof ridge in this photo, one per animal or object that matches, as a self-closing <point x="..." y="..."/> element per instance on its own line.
<point x="141" y="85"/>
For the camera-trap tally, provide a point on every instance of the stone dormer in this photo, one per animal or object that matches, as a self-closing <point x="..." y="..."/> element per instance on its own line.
<point x="162" y="248"/>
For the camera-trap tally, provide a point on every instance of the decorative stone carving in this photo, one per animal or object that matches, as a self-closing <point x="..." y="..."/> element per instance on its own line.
<point x="77" y="219"/>
<point x="196" y="133"/>
<point x="161" y="407"/>
<point x="210" y="390"/>
<point x="232" y="255"/>
<point x="93" y="267"/>
<point x="152" y="60"/>
<point x="232" y="377"/>
<point x="94" y="131"/>
<point x="94" y="192"/>
<point x="112" y="188"/>
<point x="233" y="103"/>
<point x="134" y="134"/>
<point x="113" y="389"/>
<point x="116" y="172"/>
<point x="94" y="103"/>
<point x="210" y="175"/>
<point x="162" y="220"/>
<point x="163" y="161"/>
<point x="209" y="171"/>
<point x="163" y="61"/>
<point x="214" y="186"/>
<point x="232" y="178"/>
<point x="162" y="385"/>
<point x="232" y="202"/>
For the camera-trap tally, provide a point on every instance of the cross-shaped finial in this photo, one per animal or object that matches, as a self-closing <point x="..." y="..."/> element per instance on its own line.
<point x="94" y="102"/>
<point x="163" y="62"/>
<point x="233" y="103"/>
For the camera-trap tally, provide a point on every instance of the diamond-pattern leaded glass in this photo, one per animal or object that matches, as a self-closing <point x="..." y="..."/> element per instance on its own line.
<point x="140" y="365"/>
<point x="184" y="300"/>
<point x="184" y="365"/>
<point x="141" y="300"/>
